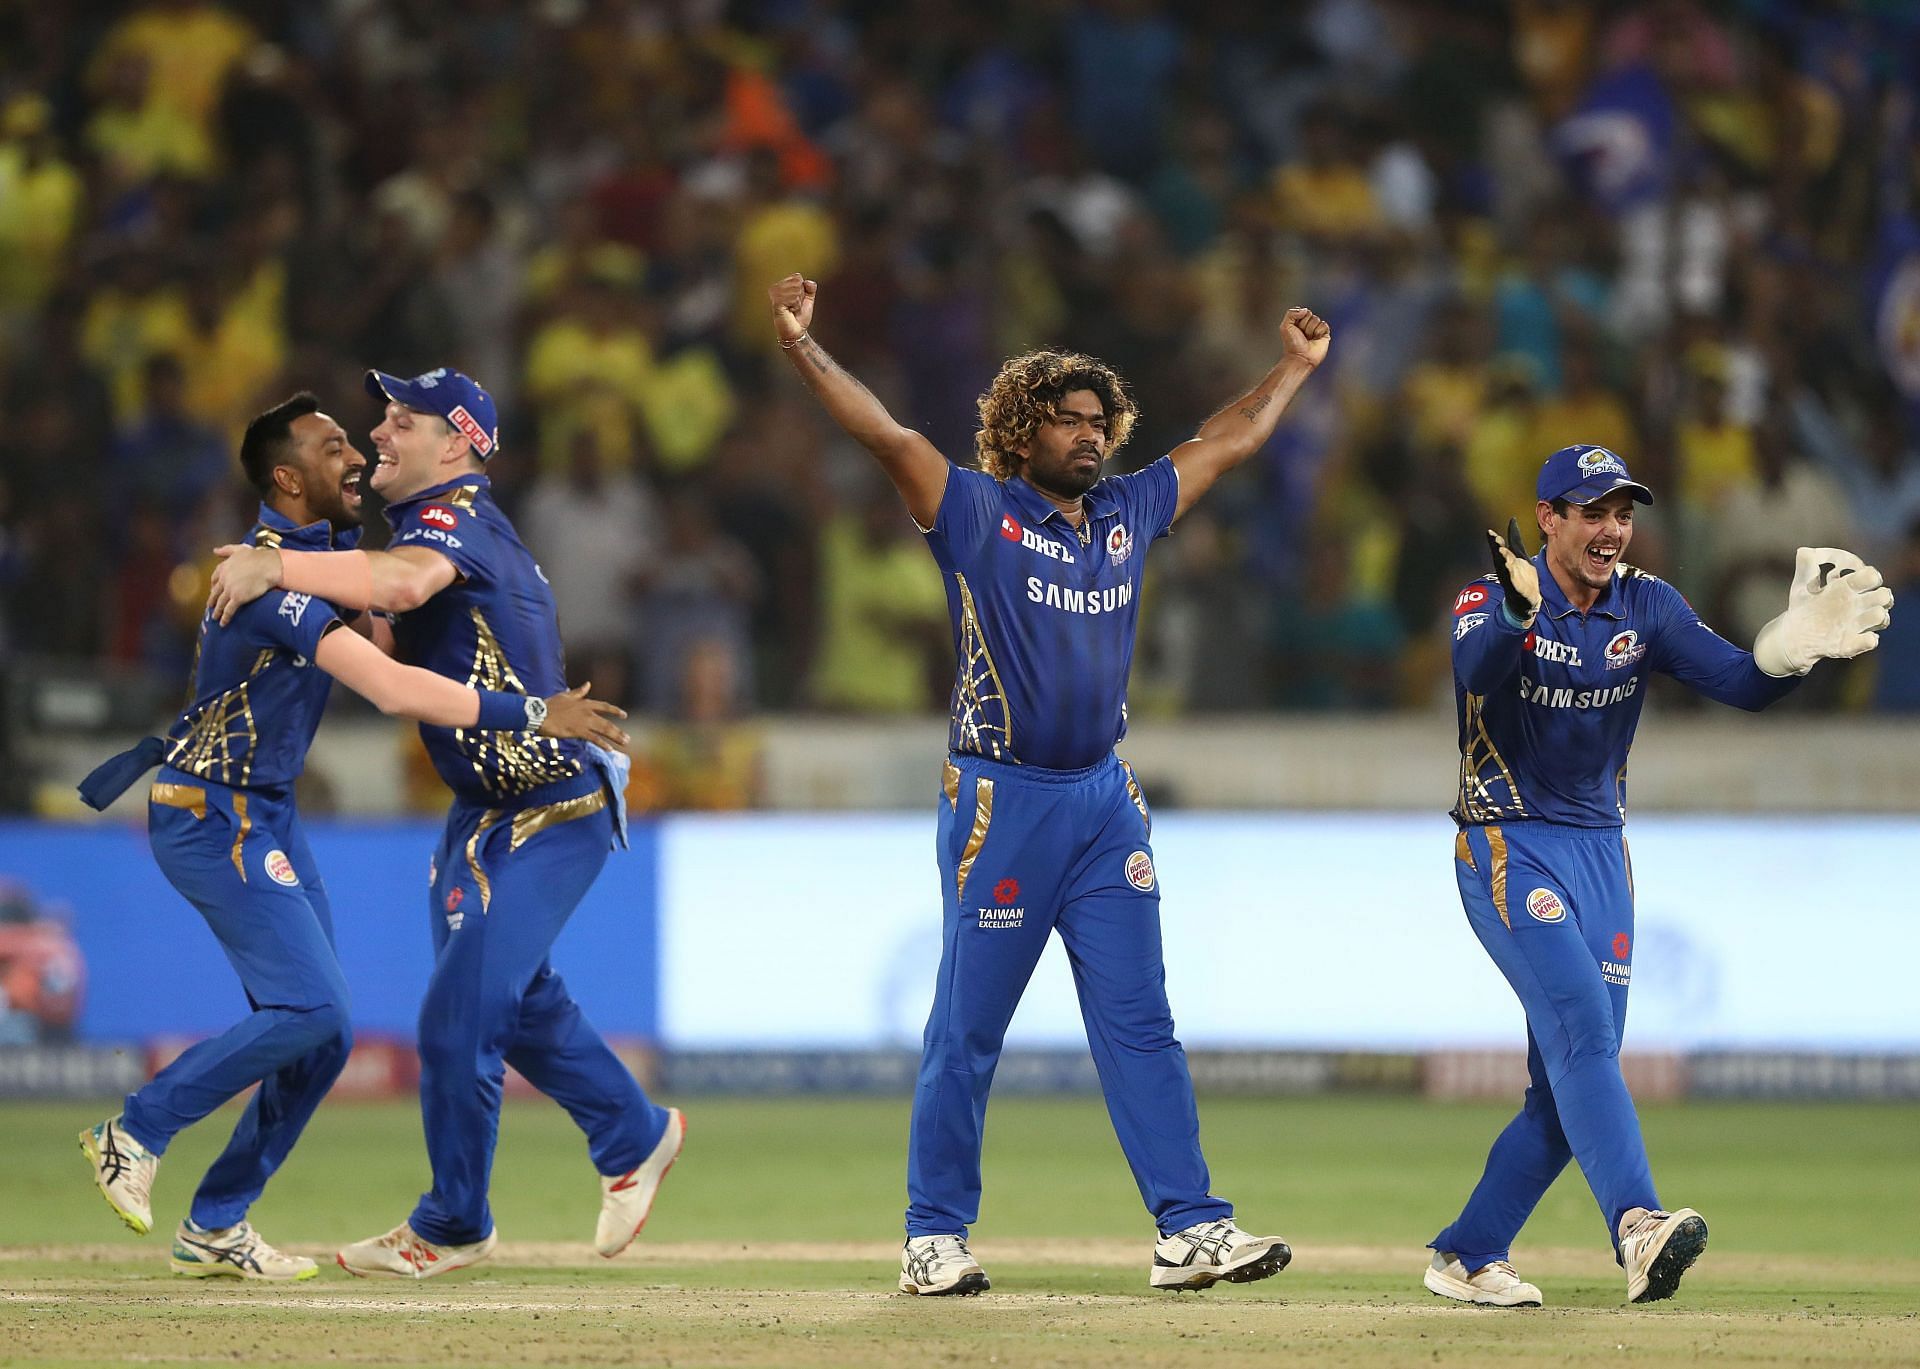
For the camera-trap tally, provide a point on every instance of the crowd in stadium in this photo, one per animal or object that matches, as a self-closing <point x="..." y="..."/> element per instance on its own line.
<point x="1682" y="229"/>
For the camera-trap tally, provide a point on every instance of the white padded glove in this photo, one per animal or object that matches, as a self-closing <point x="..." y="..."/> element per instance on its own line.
<point x="1835" y="610"/>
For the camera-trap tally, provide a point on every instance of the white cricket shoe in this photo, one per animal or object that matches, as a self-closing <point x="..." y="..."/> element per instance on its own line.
<point x="935" y="1266"/>
<point x="1656" y="1248"/>
<point x="403" y="1254"/>
<point x="1491" y="1285"/>
<point x="626" y="1199"/>
<point x="235" y="1253"/>
<point x="123" y="1171"/>
<point x="1207" y="1252"/>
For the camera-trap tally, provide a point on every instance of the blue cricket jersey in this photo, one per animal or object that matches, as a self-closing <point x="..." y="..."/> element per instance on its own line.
<point x="1044" y="614"/>
<point x="256" y="694"/>
<point x="494" y="628"/>
<point x="1547" y="714"/>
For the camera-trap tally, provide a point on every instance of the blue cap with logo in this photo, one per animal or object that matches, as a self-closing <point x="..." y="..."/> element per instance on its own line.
<point x="1583" y="473"/>
<point x="455" y="397"/>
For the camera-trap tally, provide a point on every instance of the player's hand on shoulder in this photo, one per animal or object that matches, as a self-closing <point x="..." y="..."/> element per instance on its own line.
<point x="792" y="299"/>
<point x="573" y="714"/>
<point x="1837" y="606"/>
<point x="243" y="575"/>
<point x="1306" y="336"/>
<point x="1518" y="576"/>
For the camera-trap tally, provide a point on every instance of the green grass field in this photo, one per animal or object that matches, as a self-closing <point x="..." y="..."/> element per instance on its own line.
<point x="775" y="1243"/>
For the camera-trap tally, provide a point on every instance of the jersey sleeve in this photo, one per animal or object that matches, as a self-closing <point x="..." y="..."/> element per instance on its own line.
<point x="455" y="533"/>
<point x="1700" y="658"/>
<point x="1155" y="494"/>
<point x="969" y="514"/>
<point x="292" y="621"/>
<point x="1487" y="645"/>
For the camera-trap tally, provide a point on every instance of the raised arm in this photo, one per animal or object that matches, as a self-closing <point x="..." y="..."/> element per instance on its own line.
<point x="1243" y="427"/>
<point x="388" y="581"/>
<point x="914" y="465"/>
<point x="404" y="691"/>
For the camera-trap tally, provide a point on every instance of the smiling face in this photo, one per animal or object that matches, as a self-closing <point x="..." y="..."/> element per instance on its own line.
<point x="413" y="450"/>
<point x="1069" y="448"/>
<point x="1587" y="542"/>
<point x="329" y="469"/>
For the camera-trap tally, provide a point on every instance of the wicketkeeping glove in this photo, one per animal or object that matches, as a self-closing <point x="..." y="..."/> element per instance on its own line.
<point x="1835" y="610"/>
<point x="1518" y="576"/>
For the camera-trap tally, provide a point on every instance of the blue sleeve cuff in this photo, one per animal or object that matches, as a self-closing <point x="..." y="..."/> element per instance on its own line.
<point x="1507" y="619"/>
<point x="502" y="712"/>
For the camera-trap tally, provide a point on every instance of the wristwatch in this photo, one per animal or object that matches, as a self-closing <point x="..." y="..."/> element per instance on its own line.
<point x="536" y="712"/>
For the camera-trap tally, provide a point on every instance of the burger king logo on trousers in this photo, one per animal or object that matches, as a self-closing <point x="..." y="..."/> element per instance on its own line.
<point x="1140" y="871"/>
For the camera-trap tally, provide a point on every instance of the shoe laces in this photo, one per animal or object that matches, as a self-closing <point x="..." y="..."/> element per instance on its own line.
<point x="1644" y="1225"/>
<point x="1503" y="1267"/>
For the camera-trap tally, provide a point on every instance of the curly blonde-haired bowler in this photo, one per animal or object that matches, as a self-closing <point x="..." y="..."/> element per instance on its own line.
<point x="1029" y="390"/>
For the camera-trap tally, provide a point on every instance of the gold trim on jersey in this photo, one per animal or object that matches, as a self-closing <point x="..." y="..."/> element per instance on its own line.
<point x="534" y="821"/>
<point x="1626" y="854"/>
<point x="188" y="796"/>
<point x="950" y="784"/>
<point x="221" y="739"/>
<point x="264" y="536"/>
<point x="1497" y="876"/>
<point x="1462" y="850"/>
<point x="982" y="819"/>
<point x="521" y="762"/>
<point x="1620" y="791"/>
<point x="969" y="704"/>
<point x="1476" y="803"/>
<point x="1139" y="797"/>
<point x="480" y="880"/>
<point x="239" y="838"/>
<point x="462" y="498"/>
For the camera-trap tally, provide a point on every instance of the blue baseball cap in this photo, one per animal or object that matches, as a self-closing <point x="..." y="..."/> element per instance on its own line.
<point x="1583" y="473"/>
<point x="453" y="396"/>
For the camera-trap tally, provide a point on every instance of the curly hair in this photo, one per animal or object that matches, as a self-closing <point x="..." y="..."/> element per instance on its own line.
<point x="1027" y="391"/>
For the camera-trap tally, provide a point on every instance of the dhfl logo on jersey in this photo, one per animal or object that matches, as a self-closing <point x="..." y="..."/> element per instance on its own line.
<point x="1009" y="528"/>
<point x="1471" y="598"/>
<point x="1545" y="906"/>
<point x="440" y="516"/>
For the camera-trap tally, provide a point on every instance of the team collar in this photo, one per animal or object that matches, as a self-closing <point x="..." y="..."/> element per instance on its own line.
<point x="1097" y="502"/>
<point x="435" y="491"/>
<point x="315" y="536"/>
<point x="1610" y="604"/>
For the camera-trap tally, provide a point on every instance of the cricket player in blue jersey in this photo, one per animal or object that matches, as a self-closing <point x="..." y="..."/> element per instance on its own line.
<point x="532" y="822"/>
<point x="1041" y="826"/>
<point x="226" y="835"/>
<point x="1551" y="659"/>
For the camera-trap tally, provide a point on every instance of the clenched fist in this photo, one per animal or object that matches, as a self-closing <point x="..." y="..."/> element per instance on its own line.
<point x="1306" y="336"/>
<point x="792" y="300"/>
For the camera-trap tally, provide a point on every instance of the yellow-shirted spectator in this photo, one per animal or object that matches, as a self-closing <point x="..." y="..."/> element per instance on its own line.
<point x="1583" y="411"/>
<point x="1500" y="454"/>
<point x="190" y="47"/>
<point x="777" y="234"/>
<point x="229" y="350"/>
<point x="1715" y="454"/>
<point x="139" y="137"/>
<point x="130" y="319"/>
<point x="40" y="200"/>
<point x="688" y="406"/>
<point x="1444" y="393"/>
<point x="1326" y="193"/>
<point x="589" y="368"/>
<point x="883" y="614"/>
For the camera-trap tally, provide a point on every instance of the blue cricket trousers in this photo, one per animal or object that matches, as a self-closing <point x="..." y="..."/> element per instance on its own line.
<point x="1553" y="905"/>
<point x="240" y="857"/>
<point x="505" y="882"/>
<point x="1023" y="851"/>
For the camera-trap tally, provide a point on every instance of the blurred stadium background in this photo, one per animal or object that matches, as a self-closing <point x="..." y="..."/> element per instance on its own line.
<point x="1687" y="229"/>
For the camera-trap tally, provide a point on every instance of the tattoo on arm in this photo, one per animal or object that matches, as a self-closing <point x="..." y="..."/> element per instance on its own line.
<point x="1252" y="411"/>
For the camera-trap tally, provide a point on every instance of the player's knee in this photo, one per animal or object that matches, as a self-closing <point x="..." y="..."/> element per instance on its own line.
<point x="324" y="1026"/>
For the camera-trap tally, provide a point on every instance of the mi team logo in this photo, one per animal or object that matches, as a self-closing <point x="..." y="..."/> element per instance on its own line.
<point x="1600" y="461"/>
<point x="1625" y="648"/>
<point x="1543" y="905"/>
<point x="1119" y="544"/>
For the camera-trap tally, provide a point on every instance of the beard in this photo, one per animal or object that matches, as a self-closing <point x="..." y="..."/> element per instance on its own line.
<point x="1068" y="481"/>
